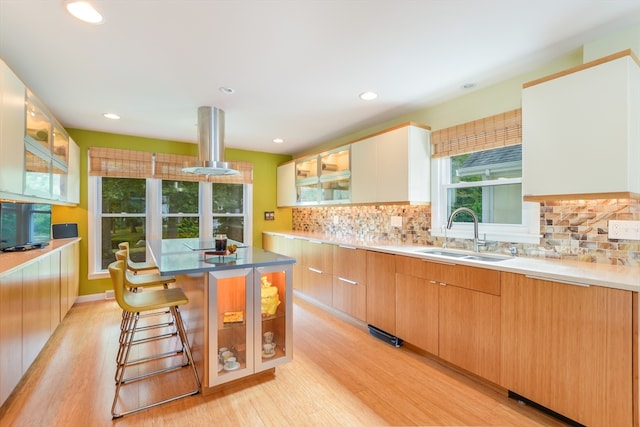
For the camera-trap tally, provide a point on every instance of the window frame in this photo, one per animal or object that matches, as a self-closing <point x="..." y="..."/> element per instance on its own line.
<point x="154" y="216"/>
<point x="526" y="232"/>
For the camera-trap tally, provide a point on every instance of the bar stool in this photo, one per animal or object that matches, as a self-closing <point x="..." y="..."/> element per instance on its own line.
<point x="133" y="304"/>
<point x="134" y="265"/>
<point x="134" y="281"/>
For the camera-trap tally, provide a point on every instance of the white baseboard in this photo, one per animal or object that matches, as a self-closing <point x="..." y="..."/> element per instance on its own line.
<point x="95" y="297"/>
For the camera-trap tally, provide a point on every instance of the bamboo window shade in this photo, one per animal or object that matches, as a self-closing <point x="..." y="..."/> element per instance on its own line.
<point x="120" y="163"/>
<point x="501" y="130"/>
<point x="169" y="166"/>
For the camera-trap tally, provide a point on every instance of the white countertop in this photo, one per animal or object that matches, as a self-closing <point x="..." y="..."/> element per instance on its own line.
<point x="572" y="272"/>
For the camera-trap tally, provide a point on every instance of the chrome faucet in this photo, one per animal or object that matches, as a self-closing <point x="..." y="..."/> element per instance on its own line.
<point x="476" y="241"/>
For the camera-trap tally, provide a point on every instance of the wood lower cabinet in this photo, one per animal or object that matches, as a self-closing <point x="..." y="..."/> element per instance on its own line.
<point x="417" y="311"/>
<point x="452" y="311"/>
<point x="33" y="301"/>
<point x="289" y="246"/>
<point x="317" y="267"/>
<point x="10" y="332"/>
<point x="349" y="281"/>
<point x="381" y="291"/>
<point x="569" y="348"/>
<point x="469" y="330"/>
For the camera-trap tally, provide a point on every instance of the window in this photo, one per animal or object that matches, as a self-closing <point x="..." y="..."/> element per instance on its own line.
<point x="137" y="196"/>
<point x="228" y="210"/>
<point x="134" y="210"/>
<point x="123" y="215"/>
<point x="180" y="217"/>
<point x="489" y="182"/>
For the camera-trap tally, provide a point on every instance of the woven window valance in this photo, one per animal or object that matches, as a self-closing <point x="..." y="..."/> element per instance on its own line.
<point x="119" y="163"/>
<point x="496" y="131"/>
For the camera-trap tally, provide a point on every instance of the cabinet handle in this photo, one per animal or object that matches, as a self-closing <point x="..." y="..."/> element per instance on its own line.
<point x="289" y="237"/>
<point x="443" y="284"/>
<point x="347" y="247"/>
<point x="439" y="262"/>
<point x="433" y="281"/>
<point x="315" y="270"/>
<point x="566" y="282"/>
<point x="351" y="282"/>
<point x="317" y="242"/>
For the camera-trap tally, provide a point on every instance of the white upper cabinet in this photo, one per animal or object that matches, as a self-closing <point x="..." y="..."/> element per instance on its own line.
<point x="73" y="175"/>
<point x="12" y="126"/>
<point x="286" y="184"/>
<point x="392" y="166"/>
<point x="581" y="132"/>
<point x="38" y="161"/>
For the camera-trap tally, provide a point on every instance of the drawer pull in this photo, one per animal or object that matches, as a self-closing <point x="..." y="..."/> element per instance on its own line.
<point x="566" y="282"/>
<point x="317" y="242"/>
<point x="351" y="282"/>
<point x="347" y="247"/>
<point x="315" y="270"/>
<point x="439" y="262"/>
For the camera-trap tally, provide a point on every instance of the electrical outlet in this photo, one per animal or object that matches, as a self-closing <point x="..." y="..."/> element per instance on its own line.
<point x="396" y="221"/>
<point x="624" y="230"/>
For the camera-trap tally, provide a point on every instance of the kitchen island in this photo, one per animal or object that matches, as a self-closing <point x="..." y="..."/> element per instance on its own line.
<point x="239" y="316"/>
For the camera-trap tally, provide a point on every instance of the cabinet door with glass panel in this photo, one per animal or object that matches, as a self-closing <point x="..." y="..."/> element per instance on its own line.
<point x="231" y="325"/>
<point x="335" y="176"/>
<point x="307" y="182"/>
<point x="273" y="323"/>
<point x="46" y="153"/>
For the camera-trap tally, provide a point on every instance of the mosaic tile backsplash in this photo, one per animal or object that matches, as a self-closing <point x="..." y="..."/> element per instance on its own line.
<point x="576" y="229"/>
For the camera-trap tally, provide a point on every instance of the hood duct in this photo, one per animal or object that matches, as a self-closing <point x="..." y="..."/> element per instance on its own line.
<point x="211" y="144"/>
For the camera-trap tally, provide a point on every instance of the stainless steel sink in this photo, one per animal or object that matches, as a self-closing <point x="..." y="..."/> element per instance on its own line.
<point x="444" y="253"/>
<point x="463" y="255"/>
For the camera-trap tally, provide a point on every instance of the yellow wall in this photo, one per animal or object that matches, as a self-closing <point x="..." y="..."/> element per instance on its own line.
<point x="264" y="189"/>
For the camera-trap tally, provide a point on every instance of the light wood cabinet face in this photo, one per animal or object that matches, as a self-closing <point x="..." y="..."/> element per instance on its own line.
<point x="569" y="348"/>
<point x="469" y="330"/>
<point x="417" y="311"/>
<point x="381" y="291"/>
<point x="10" y="332"/>
<point x="317" y="266"/>
<point x="349" y="281"/>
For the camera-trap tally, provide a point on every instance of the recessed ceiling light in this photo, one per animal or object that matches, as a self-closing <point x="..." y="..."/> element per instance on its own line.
<point x="84" y="11"/>
<point x="227" y="90"/>
<point x="368" y="96"/>
<point x="112" y="116"/>
<point x="278" y="140"/>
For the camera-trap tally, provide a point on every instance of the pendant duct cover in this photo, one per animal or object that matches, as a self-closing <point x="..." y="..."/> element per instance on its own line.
<point x="211" y="144"/>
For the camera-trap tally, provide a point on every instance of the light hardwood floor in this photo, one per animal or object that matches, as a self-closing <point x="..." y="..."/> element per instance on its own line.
<point x="340" y="376"/>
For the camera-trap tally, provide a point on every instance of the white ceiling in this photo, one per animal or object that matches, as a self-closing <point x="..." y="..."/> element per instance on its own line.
<point x="297" y="66"/>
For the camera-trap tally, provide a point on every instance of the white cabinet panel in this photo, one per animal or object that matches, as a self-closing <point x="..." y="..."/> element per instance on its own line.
<point x="12" y="125"/>
<point x="580" y="133"/>
<point x="392" y="167"/>
<point x="73" y="174"/>
<point x="286" y="182"/>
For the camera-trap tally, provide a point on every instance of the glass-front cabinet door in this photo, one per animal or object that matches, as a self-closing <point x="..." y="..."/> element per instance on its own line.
<point x="274" y="337"/>
<point x="335" y="176"/>
<point x="307" y="182"/>
<point x="231" y="336"/>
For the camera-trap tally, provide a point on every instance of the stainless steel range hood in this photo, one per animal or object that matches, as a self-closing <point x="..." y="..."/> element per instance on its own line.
<point x="211" y="144"/>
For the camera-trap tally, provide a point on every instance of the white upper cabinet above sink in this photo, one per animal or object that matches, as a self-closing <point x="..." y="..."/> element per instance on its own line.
<point x="580" y="132"/>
